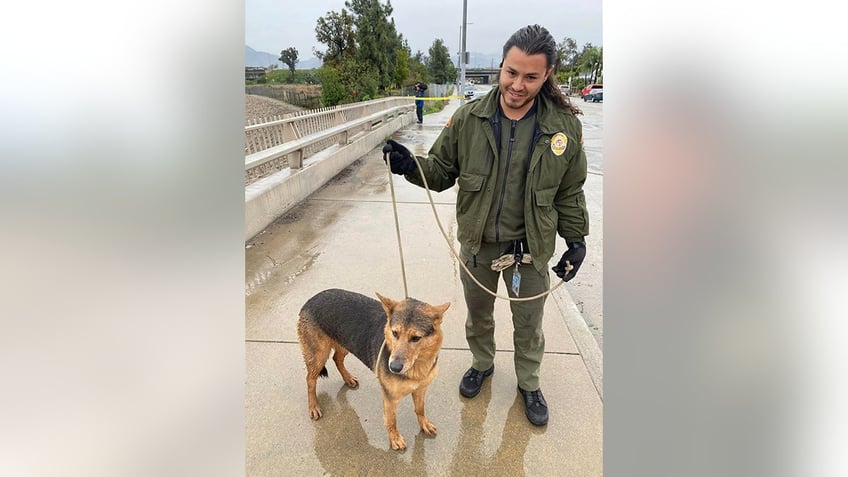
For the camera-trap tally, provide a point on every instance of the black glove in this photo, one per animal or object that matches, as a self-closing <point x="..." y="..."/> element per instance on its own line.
<point x="400" y="159"/>
<point x="574" y="255"/>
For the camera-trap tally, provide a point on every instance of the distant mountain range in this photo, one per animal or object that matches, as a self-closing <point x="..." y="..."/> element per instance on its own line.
<point x="264" y="59"/>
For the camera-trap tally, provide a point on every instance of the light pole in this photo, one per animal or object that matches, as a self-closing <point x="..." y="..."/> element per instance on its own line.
<point x="462" y="57"/>
<point x="459" y="49"/>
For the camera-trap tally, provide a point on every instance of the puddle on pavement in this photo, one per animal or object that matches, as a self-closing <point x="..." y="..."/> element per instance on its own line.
<point x="290" y="270"/>
<point x="290" y="245"/>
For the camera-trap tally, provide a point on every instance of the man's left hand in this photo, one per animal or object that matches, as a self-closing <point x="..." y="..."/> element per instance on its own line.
<point x="571" y="260"/>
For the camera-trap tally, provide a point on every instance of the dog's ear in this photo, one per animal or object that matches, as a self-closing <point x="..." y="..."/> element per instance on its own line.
<point x="388" y="304"/>
<point x="438" y="310"/>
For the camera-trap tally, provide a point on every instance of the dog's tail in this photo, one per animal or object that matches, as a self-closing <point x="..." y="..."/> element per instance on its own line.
<point x="323" y="372"/>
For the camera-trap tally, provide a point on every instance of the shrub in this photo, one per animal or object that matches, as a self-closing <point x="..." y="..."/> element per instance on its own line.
<point x="332" y="89"/>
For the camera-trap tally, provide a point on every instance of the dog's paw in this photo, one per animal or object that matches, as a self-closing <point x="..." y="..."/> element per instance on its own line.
<point x="397" y="441"/>
<point x="427" y="427"/>
<point x="352" y="382"/>
<point x="314" y="413"/>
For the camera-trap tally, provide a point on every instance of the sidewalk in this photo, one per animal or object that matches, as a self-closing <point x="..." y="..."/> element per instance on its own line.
<point x="343" y="236"/>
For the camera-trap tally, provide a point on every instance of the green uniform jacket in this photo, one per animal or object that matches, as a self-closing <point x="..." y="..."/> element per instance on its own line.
<point x="554" y="203"/>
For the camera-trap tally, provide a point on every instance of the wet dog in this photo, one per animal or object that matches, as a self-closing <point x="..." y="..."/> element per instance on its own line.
<point x="398" y="340"/>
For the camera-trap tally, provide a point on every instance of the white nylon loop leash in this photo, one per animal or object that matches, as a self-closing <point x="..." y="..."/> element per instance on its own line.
<point x="448" y="240"/>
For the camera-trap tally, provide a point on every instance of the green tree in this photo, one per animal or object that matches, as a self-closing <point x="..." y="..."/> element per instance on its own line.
<point x="402" y="67"/>
<point x="566" y="54"/>
<point x="332" y="89"/>
<point x="598" y="70"/>
<point x="289" y="58"/>
<point x="366" y="56"/>
<point x="439" y="65"/>
<point x="347" y="81"/>
<point x="376" y="38"/>
<point x="336" y="30"/>
<point x="591" y="62"/>
<point x="566" y="60"/>
<point x="418" y="67"/>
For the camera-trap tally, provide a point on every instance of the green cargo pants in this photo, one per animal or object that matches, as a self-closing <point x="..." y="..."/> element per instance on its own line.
<point x="527" y="335"/>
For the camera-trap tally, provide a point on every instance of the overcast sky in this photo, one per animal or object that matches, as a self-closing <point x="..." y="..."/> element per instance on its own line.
<point x="274" y="25"/>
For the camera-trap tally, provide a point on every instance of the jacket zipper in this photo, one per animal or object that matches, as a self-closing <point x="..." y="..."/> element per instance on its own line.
<point x="506" y="176"/>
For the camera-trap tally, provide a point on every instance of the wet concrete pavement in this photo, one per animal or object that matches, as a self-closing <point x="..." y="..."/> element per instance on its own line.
<point x="343" y="236"/>
<point x="587" y="287"/>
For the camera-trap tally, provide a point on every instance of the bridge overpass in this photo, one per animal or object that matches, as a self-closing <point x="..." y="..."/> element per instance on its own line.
<point x="483" y="75"/>
<point x="343" y="236"/>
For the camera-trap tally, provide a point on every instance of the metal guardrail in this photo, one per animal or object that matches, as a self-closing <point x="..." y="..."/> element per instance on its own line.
<point x="275" y="145"/>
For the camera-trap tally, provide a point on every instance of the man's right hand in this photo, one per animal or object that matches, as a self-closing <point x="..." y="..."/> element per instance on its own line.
<point x="400" y="159"/>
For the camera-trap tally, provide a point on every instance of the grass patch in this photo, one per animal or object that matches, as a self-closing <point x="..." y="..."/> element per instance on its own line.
<point x="433" y="106"/>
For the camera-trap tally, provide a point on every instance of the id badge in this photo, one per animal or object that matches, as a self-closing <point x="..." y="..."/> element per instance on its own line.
<point x="516" y="281"/>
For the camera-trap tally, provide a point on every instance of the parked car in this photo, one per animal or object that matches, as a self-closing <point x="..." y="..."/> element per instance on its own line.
<point x="589" y="88"/>
<point x="469" y="91"/>
<point x="595" y="96"/>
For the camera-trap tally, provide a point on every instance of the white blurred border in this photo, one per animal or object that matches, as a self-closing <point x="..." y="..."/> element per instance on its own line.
<point x="122" y="202"/>
<point x="733" y="84"/>
<point x="122" y="277"/>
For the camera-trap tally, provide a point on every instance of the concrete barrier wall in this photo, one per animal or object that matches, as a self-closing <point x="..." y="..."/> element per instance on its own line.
<point x="267" y="199"/>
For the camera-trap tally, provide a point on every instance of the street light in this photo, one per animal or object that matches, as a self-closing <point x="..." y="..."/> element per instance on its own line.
<point x="459" y="53"/>
<point x="463" y="53"/>
<point x="459" y="49"/>
<point x="460" y="62"/>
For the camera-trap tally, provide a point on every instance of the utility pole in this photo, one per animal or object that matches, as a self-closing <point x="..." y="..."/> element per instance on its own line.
<point x="464" y="55"/>
<point x="459" y="62"/>
<point x="459" y="47"/>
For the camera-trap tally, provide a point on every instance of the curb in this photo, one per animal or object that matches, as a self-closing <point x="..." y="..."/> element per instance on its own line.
<point x="589" y="350"/>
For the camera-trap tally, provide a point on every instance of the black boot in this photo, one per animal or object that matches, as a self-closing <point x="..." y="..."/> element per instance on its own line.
<point x="535" y="406"/>
<point x="472" y="381"/>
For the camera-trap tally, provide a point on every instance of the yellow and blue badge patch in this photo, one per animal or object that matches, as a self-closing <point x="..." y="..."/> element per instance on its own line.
<point x="559" y="143"/>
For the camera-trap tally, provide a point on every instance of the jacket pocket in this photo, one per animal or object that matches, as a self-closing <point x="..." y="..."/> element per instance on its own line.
<point x="546" y="213"/>
<point x="545" y="197"/>
<point x="469" y="196"/>
<point x="470" y="182"/>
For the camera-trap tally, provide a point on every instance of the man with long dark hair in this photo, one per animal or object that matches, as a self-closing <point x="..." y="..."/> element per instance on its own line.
<point x="518" y="158"/>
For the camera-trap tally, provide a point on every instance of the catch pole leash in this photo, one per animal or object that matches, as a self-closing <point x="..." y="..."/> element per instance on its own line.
<point x="387" y="149"/>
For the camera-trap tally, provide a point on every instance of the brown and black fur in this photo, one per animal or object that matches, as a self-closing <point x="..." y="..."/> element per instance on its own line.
<point x="349" y="322"/>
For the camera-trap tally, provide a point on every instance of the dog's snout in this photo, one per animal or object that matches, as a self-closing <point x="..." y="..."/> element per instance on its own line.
<point x="396" y="366"/>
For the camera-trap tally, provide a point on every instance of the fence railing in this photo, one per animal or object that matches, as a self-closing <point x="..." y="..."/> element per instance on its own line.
<point x="275" y="145"/>
<point x="304" y="99"/>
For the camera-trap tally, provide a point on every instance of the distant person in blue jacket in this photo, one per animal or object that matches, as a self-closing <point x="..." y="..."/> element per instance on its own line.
<point x="420" y="88"/>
